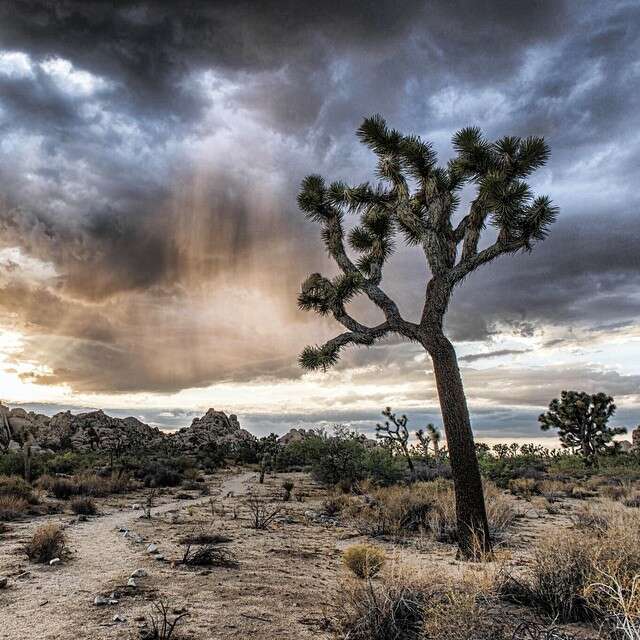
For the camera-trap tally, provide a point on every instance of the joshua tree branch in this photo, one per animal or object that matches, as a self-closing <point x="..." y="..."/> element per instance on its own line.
<point x="471" y="262"/>
<point x="336" y="248"/>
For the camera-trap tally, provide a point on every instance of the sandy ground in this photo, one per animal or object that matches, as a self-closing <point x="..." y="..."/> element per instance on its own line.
<point x="283" y="586"/>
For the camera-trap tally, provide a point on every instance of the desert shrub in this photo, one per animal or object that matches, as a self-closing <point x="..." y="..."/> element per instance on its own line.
<point x="16" y="487"/>
<point x="392" y="609"/>
<point x="161" y="623"/>
<point x="422" y="506"/>
<point x="405" y="605"/>
<point x="162" y="476"/>
<point x="334" y="504"/>
<point x="382" y="467"/>
<point x="61" y="488"/>
<point x="339" y="460"/>
<point x="198" y="552"/>
<point x="287" y="488"/>
<point x="98" y="486"/>
<point x="261" y="512"/>
<point x="12" y="508"/>
<point x="573" y="577"/>
<point x="83" y="505"/>
<point x="560" y="572"/>
<point x="633" y="502"/>
<point x="430" y="471"/>
<point x="363" y="560"/>
<point x="11" y="463"/>
<point x="85" y="485"/>
<point x="524" y="487"/>
<point x="47" y="542"/>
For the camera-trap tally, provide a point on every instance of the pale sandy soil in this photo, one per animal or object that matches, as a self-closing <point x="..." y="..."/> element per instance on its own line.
<point x="283" y="587"/>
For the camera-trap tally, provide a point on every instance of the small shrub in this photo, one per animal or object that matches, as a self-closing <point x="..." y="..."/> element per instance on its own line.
<point x="161" y="623"/>
<point x="47" y="542"/>
<point x="12" y="508"/>
<point x="633" y="502"/>
<point x="524" y="487"/>
<point x="209" y="555"/>
<point x="390" y="610"/>
<point x="205" y="538"/>
<point x="364" y="560"/>
<point x="16" y="487"/>
<point x="61" y="488"/>
<point x="163" y="477"/>
<point x="83" y="505"/>
<point x="261" y="512"/>
<point x="287" y="488"/>
<point x="575" y="577"/>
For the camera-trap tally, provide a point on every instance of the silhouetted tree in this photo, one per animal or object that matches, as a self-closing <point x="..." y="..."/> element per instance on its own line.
<point x="417" y="199"/>
<point x="395" y="432"/>
<point x="581" y="420"/>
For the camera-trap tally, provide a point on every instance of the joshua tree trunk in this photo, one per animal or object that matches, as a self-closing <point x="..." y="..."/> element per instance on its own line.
<point x="473" y="527"/>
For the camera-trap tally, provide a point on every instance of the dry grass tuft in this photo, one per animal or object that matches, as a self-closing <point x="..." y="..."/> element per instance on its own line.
<point x="12" y="507"/>
<point x="591" y="573"/>
<point x="83" y="505"/>
<point x="364" y="560"/>
<point x="47" y="542"/>
<point x="399" y="511"/>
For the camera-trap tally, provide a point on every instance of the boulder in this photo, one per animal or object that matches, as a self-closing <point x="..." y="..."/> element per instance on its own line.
<point x="635" y="438"/>
<point x="215" y="427"/>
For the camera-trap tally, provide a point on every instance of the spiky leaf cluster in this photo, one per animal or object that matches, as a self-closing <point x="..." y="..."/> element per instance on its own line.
<point x="417" y="198"/>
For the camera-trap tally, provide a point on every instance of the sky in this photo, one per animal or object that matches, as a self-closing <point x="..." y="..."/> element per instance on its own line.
<point x="151" y="249"/>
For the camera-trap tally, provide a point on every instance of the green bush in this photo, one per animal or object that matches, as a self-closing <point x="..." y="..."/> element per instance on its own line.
<point x="382" y="467"/>
<point x="84" y="505"/>
<point x="16" y="487"/>
<point x="364" y="560"/>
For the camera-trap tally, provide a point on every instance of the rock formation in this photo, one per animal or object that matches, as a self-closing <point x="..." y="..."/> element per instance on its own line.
<point x="214" y="427"/>
<point x="96" y="431"/>
<point x="635" y="438"/>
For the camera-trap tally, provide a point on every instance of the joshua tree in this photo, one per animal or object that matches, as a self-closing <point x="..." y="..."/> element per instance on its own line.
<point x="417" y="199"/>
<point x="427" y="436"/>
<point x="395" y="432"/>
<point x="581" y="420"/>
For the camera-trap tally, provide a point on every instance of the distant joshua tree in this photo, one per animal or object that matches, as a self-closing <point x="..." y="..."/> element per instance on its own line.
<point x="428" y="436"/>
<point x="417" y="200"/>
<point x="395" y="432"/>
<point x="581" y="420"/>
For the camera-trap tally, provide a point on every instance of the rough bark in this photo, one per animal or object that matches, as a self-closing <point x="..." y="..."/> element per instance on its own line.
<point x="473" y="527"/>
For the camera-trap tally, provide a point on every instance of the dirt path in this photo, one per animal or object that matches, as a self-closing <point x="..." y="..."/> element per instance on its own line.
<point x="37" y="605"/>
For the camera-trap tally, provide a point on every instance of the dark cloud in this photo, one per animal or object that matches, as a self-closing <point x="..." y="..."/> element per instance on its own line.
<point x="498" y="353"/>
<point x="151" y="152"/>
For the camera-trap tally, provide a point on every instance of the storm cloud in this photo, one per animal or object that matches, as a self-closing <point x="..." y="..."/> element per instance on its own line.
<point x="150" y="156"/>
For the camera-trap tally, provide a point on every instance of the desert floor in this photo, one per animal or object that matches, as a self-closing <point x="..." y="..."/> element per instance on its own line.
<point x="284" y="585"/>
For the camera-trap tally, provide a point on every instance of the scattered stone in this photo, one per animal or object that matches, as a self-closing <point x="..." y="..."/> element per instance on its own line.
<point x="119" y="618"/>
<point x="139" y="573"/>
<point x="136" y="506"/>
<point x="101" y="601"/>
<point x="132" y="583"/>
<point x="81" y="518"/>
<point x="159" y="557"/>
<point x="152" y="548"/>
<point x="3" y="582"/>
<point x="54" y="561"/>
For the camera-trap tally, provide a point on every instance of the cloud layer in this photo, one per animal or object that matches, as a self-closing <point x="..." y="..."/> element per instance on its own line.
<point x="150" y="157"/>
